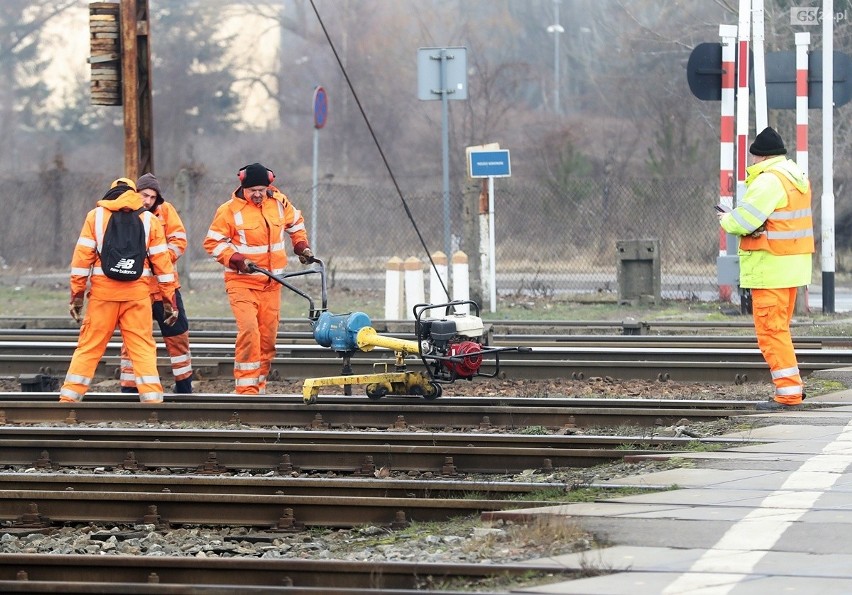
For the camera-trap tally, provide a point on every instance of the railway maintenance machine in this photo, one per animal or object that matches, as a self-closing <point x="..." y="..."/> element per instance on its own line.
<point x="449" y="345"/>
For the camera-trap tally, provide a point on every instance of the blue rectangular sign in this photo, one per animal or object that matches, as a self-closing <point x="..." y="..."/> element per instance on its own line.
<point x="490" y="164"/>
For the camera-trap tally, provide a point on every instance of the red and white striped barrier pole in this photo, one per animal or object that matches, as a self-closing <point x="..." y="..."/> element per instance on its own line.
<point x="803" y="40"/>
<point x="743" y="36"/>
<point x="728" y="33"/>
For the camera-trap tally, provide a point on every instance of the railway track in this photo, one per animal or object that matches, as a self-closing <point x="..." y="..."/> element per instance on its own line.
<point x="688" y="358"/>
<point x="275" y="466"/>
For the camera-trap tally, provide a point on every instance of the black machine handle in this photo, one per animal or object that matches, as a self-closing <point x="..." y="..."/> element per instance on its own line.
<point x="313" y="312"/>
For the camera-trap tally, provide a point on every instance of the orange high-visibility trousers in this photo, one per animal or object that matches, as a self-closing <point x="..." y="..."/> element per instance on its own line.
<point x="176" y="340"/>
<point x="257" y="313"/>
<point x="773" y="311"/>
<point x="133" y="318"/>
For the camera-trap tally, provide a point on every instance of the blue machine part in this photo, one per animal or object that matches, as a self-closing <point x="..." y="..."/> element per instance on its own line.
<point x="339" y="331"/>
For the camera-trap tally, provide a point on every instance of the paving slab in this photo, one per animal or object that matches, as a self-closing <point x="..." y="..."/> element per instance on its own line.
<point x="692" y="497"/>
<point x="665" y="559"/>
<point x="773" y="517"/>
<point x="655" y="583"/>
<point x="690" y="477"/>
<point x="787" y="432"/>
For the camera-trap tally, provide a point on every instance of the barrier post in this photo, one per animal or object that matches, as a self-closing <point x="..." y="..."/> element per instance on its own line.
<point x="461" y="280"/>
<point x="437" y="295"/>
<point x="414" y="291"/>
<point x="393" y="289"/>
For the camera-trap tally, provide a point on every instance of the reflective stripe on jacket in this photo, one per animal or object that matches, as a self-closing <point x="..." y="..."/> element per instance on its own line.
<point x="257" y="232"/>
<point x="86" y="262"/>
<point x="175" y="240"/>
<point x="789" y="228"/>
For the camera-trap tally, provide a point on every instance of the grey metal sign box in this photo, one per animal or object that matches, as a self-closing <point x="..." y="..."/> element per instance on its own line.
<point x="429" y="73"/>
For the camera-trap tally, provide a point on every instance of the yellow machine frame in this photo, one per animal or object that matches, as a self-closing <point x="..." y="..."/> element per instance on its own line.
<point x="379" y="384"/>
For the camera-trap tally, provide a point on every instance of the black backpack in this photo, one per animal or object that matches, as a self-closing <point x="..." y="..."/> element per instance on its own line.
<point x="125" y="247"/>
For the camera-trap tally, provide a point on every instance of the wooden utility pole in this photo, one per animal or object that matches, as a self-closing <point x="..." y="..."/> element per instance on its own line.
<point x="136" y="88"/>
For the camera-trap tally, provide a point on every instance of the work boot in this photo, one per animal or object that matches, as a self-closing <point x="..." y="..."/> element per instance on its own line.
<point x="772" y="406"/>
<point x="130" y="389"/>
<point x="184" y="386"/>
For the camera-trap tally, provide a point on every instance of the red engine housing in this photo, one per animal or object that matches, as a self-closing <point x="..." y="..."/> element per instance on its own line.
<point x="469" y="364"/>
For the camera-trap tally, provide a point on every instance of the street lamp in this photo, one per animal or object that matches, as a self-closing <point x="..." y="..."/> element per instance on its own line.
<point x="556" y="30"/>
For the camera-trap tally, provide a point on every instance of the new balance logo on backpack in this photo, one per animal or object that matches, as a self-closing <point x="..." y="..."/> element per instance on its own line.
<point x="125" y="246"/>
<point x="125" y="264"/>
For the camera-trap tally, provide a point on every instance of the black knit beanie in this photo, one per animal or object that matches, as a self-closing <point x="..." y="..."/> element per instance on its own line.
<point x="255" y="175"/>
<point x="768" y="142"/>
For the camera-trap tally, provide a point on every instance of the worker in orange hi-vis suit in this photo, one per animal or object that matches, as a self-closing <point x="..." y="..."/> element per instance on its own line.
<point x="176" y="336"/>
<point x="250" y="229"/>
<point x="117" y="302"/>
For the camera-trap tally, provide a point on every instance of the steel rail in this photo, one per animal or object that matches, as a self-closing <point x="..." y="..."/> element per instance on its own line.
<point x="202" y="338"/>
<point x="391" y="487"/>
<point x="215" y="457"/>
<point x="44" y="436"/>
<point x="545" y="362"/>
<point x="354" y="412"/>
<point x="329" y="574"/>
<point x="295" y="512"/>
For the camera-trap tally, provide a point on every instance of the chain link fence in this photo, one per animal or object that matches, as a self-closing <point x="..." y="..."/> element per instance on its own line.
<point x="548" y="241"/>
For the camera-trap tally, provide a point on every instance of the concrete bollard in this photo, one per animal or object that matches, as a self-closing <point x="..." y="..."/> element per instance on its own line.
<point x="437" y="295"/>
<point x="461" y="281"/>
<point x="394" y="309"/>
<point x="414" y="291"/>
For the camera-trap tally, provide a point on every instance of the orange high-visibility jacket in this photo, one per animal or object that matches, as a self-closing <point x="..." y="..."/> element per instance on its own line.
<point x="175" y="240"/>
<point x="789" y="229"/>
<point x="256" y="232"/>
<point x="86" y="262"/>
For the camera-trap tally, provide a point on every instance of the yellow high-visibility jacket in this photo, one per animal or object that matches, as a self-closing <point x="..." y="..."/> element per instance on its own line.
<point x="779" y="198"/>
